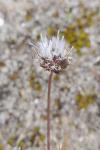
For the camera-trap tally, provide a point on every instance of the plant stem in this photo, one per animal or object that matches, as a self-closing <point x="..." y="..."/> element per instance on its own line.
<point x="48" y="110"/>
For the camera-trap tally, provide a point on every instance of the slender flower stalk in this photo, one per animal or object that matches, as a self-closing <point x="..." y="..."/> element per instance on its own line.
<point x="48" y="110"/>
<point x="54" y="57"/>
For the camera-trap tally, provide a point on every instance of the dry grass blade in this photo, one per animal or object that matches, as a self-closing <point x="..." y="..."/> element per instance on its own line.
<point x="65" y="142"/>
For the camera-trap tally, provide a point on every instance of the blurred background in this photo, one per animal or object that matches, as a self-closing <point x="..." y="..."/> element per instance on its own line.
<point x="23" y="83"/>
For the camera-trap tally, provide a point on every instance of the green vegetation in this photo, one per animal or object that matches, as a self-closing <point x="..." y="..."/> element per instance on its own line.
<point x="34" y="83"/>
<point x="75" y="33"/>
<point x="11" y="141"/>
<point x="22" y="144"/>
<point x="37" y="136"/>
<point x="84" y="101"/>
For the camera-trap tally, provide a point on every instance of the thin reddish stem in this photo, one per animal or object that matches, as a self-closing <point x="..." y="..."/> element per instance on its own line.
<point x="48" y="110"/>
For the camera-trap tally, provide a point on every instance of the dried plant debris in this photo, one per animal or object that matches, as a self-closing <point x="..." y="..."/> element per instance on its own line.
<point x="65" y="142"/>
<point x="1" y="147"/>
<point x="2" y="64"/>
<point x="14" y="76"/>
<point x="4" y="91"/>
<point x="58" y="104"/>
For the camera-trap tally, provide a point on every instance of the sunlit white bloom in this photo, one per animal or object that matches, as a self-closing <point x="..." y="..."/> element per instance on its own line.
<point x="49" y="48"/>
<point x="53" y="53"/>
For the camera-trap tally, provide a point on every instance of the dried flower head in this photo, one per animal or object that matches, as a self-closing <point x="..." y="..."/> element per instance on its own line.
<point x="54" y="56"/>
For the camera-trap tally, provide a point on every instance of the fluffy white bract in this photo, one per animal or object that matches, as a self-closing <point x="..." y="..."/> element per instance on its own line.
<point x="49" y="48"/>
<point x="53" y="53"/>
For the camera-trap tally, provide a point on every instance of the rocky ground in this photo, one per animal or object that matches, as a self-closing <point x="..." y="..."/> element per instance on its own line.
<point x="23" y="83"/>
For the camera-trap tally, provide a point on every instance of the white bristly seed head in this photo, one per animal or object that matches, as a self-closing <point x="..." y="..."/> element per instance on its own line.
<point x="53" y="53"/>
